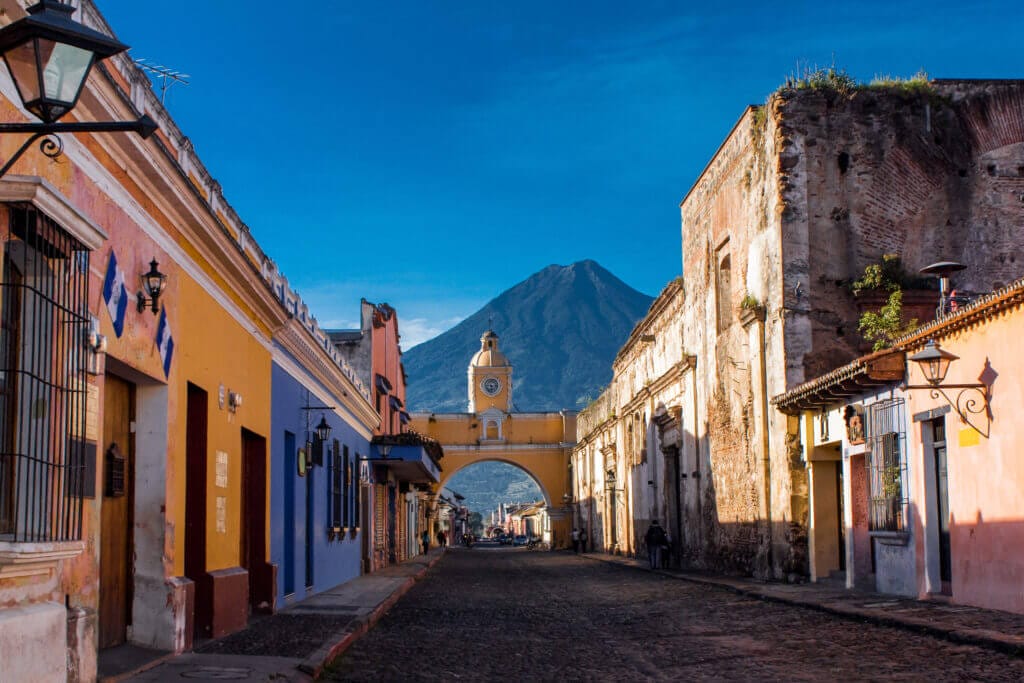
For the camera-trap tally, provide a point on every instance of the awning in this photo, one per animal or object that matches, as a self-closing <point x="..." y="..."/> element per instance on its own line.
<point x="382" y="383"/>
<point x="403" y="417"/>
<point x="395" y="402"/>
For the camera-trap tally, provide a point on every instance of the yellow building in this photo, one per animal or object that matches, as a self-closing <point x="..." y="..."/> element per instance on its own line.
<point x="538" y="443"/>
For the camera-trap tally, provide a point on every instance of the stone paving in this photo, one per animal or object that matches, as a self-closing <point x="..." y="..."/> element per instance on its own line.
<point x="512" y="614"/>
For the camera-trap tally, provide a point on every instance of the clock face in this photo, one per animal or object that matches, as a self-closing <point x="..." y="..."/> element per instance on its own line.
<point x="491" y="385"/>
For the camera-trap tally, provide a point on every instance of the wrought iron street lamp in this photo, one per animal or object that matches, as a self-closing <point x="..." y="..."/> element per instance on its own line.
<point x="323" y="430"/>
<point x="153" y="282"/>
<point x="49" y="56"/>
<point x="972" y="399"/>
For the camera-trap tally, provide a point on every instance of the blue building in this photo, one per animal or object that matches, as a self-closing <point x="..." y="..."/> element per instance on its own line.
<point x="321" y="422"/>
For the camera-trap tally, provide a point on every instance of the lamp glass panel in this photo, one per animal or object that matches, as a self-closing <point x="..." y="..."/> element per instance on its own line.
<point x="64" y="68"/>
<point x="21" y="61"/>
<point x="154" y="284"/>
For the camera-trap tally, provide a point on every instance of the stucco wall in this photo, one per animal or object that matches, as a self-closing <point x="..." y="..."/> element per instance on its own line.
<point x="334" y="560"/>
<point x="986" y="475"/>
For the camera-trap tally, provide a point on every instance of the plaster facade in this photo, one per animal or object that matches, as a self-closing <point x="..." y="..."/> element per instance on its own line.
<point x="193" y="536"/>
<point x="636" y="459"/>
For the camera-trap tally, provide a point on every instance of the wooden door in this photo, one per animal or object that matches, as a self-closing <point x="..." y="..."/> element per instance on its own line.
<point x="254" y="517"/>
<point x="942" y="503"/>
<point x="116" y="512"/>
<point x="195" y="507"/>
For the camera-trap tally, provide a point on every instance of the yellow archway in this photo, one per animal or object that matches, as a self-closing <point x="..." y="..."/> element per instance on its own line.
<point x="540" y="444"/>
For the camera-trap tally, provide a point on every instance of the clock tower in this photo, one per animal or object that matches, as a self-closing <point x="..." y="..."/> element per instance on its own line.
<point x="490" y="377"/>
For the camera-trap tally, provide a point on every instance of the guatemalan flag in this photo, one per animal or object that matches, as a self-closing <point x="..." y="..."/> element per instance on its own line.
<point x="165" y="342"/>
<point x="114" y="294"/>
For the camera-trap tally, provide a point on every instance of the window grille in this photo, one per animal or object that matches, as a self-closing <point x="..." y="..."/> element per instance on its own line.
<point x="346" y="485"/>
<point x="43" y="384"/>
<point x="335" y="483"/>
<point x="887" y="466"/>
<point x="357" y="495"/>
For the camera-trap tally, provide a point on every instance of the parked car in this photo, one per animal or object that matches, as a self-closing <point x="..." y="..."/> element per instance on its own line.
<point x="520" y="540"/>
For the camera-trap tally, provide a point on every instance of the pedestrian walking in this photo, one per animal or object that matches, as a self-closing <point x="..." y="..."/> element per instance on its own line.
<point x="583" y="540"/>
<point x="666" y="551"/>
<point x="655" y="539"/>
<point x="442" y="538"/>
<point x="575" y="540"/>
<point x="425" y="540"/>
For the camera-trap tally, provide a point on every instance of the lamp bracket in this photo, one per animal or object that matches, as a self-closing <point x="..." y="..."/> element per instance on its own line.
<point x="317" y="407"/>
<point x="966" y="404"/>
<point x="52" y="146"/>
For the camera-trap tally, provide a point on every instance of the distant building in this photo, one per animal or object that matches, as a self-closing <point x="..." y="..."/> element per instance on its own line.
<point x="402" y="466"/>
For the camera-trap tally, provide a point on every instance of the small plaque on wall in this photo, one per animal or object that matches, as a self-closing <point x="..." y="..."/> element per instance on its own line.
<point x="222" y="469"/>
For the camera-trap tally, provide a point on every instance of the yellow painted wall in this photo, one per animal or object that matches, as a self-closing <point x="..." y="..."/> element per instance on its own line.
<point x="516" y="428"/>
<point x="212" y="348"/>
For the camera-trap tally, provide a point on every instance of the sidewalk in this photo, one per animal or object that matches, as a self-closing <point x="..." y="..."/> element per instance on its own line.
<point x="990" y="629"/>
<point x="296" y="643"/>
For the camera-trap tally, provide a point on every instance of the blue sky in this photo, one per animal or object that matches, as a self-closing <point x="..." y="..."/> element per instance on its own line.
<point x="432" y="154"/>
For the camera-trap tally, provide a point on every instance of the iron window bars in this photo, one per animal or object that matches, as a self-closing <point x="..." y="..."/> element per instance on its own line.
<point x="43" y="384"/>
<point x="887" y="466"/>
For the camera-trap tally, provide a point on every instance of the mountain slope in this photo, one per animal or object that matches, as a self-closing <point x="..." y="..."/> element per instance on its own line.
<point x="560" y="328"/>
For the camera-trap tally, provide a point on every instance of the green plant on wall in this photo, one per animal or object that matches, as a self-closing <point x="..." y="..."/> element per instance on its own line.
<point x="884" y="326"/>
<point x="891" y="487"/>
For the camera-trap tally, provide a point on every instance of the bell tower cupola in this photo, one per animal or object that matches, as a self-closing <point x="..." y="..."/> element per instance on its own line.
<point x="490" y="377"/>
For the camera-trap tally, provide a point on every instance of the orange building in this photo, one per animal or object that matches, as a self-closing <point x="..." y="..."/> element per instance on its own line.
<point x="133" y="473"/>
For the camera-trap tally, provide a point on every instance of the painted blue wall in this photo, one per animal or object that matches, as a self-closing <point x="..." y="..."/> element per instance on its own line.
<point x="334" y="561"/>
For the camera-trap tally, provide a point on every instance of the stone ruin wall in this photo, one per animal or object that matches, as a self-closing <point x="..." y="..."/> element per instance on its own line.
<point x="733" y="208"/>
<point x="931" y="176"/>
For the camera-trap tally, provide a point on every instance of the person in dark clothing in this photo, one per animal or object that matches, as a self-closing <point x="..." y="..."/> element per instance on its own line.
<point x="655" y="539"/>
<point x="425" y="540"/>
<point x="583" y="540"/>
<point x="442" y="538"/>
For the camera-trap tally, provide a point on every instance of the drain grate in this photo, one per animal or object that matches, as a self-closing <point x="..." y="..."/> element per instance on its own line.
<point x="217" y="673"/>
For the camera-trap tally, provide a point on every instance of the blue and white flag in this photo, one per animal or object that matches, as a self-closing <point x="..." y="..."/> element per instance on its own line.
<point x="165" y="342"/>
<point x="115" y="294"/>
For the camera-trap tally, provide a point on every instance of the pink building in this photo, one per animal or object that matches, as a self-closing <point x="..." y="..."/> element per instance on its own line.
<point x="917" y="488"/>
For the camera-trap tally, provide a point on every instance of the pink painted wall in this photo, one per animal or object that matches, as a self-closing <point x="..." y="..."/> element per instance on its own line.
<point x="986" y="475"/>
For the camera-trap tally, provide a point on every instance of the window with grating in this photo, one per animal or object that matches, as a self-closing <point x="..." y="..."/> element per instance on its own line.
<point x="336" y="488"/>
<point x="887" y="465"/>
<point x="357" y="496"/>
<point x="43" y="386"/>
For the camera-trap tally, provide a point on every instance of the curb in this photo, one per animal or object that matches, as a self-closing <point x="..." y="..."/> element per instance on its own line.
<point x="142" y="668"/>
<point x="315" y="663"/>
<point x="990" y="640"/>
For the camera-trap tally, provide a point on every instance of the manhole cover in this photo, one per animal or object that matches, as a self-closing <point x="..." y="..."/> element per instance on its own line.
<point x="218" y="673"/>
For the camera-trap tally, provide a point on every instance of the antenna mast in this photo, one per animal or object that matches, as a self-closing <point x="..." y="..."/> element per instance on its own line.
<point x="167" y="76"/>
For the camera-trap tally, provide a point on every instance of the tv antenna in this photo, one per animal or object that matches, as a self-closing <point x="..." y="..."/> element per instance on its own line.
<point x="167" y="76"/>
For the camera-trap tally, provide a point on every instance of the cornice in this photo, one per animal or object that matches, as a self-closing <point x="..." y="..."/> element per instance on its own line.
<point x="295" y="340"/>
<point x="44" y="196"/>
<point x="668" y="296"/>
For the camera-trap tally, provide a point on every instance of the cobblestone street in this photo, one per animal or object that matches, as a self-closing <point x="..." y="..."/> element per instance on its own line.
<point x="513" y="614"/>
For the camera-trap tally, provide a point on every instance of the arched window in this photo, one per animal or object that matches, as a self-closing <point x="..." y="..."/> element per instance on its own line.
<point x="492" y="429"/>
<point x="723" y="288"/>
